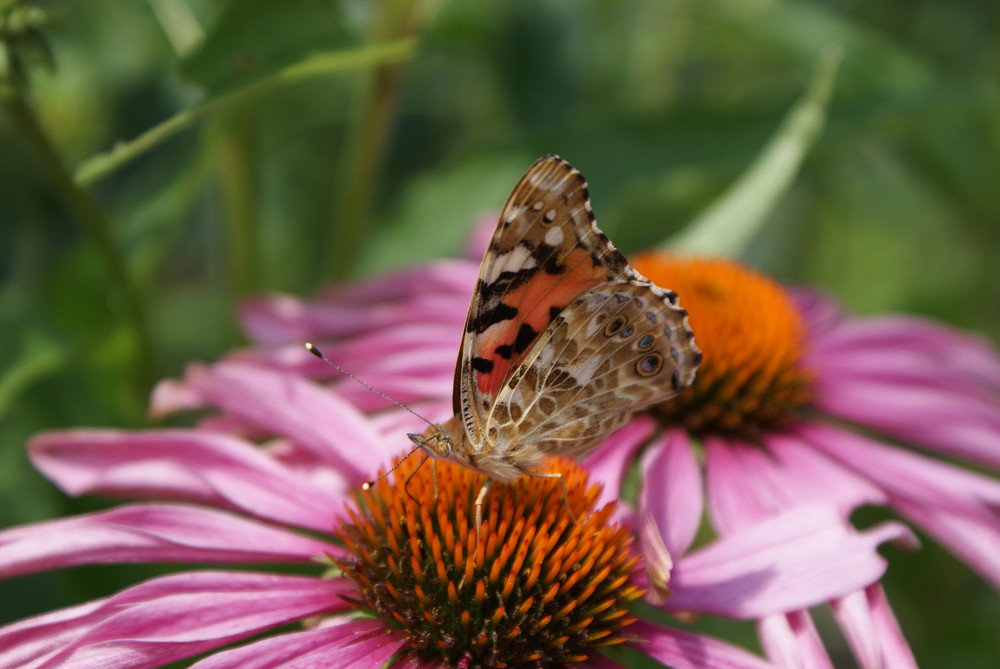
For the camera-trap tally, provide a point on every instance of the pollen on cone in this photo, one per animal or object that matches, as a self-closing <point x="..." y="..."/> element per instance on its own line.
<point x="752" y="340"/>
<point x="530" y="592"/>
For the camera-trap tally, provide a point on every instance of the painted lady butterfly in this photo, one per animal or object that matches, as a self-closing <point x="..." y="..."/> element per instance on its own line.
<point x="563" y="341"/>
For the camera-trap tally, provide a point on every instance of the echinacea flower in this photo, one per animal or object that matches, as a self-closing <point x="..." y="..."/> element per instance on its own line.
<point x="796" y="402"/>
<point x="397" y="574"/>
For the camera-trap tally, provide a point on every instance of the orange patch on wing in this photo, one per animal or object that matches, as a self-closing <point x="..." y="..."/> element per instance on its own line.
<point x="533" y="300"/>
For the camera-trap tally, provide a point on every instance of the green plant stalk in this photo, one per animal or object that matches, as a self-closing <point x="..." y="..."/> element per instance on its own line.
<point x="727" y="227"/>
<point x="367" y="138"/>
<point x="99" y="166"/>
<point x="86" y="210"/>
<point x="237" y="157"/>
<point x="368" y="132"/>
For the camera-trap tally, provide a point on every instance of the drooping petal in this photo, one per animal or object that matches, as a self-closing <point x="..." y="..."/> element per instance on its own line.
<point x="655" y="555"/>
<point x="150" y="533"/>
<point x="792" y="642"/>
<point x="872" y="631"/>
<point x="184" y="465"/>
<point x="956" y="506"/>
<point x="684" y="650"/>
<point x="672" y="490"/>
<point x="789" y="562"/>
<point x="355" y="643"/>
<point x="167" y="619"/>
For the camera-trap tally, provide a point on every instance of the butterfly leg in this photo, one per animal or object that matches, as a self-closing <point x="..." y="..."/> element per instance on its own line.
<point x="406" y="483"/>
<point x="562" y="482"/>
<point x="479" y="507"/>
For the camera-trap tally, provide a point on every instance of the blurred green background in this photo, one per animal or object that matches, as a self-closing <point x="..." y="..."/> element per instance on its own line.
<point x="278" y="145"/>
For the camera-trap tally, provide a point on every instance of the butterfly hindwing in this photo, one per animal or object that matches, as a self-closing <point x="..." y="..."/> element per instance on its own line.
<point x="545" y="252"/>
<point x="618" y="348"/>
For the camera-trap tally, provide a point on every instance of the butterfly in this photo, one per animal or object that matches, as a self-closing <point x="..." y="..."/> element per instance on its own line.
<point x="563" y="342"/>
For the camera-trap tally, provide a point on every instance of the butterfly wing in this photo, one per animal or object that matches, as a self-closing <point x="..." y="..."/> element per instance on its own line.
<point x="545" y="252"/>
<point x="617" y="349"/>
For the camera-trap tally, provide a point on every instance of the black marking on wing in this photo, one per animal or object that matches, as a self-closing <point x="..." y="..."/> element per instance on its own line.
<point x="482" y="365"/>
<point x="496" y="314"/>
<point x="525" y="335"/>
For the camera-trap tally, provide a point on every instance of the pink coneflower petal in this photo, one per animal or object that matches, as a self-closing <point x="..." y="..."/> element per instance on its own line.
<point x="956" y="506"/>
<point x="683" y="650"/>
<point x="28" y="642"/>
<point x="436" y="292"/>
<point x="792" y="561"/>
<point x="655" y="555"/>
<point x="953" y="351"/>
<point x="953" y="424"/>
<point x="733" y="498"/>
<point x="819" y="312"/>
<point x="673" y="492"/>
<point x="747" y="483"/>
<point x="356" y="643"/>
<point x="150" y="533"/>
<point x="895" y="650"/>
<point x="975" y="540"/>
<point x="601" y="662"/>
<point x="610" y="463"/>
<point x="792" y="642"/>
<point x="441" y="277"/>
<point x="811" y="476"/>
<point x="902" y="473"/>
<point x="168" y="619"/>
<point x="182" y="465"/>
<point x="872" y="630"/>
<point x="295" y="408"/>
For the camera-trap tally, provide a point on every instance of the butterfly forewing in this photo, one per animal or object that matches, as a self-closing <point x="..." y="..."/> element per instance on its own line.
<point x="546" y="251"/>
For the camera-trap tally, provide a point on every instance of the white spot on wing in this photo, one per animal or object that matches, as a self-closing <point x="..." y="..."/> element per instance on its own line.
<point x="554" y="237"/>
<point x="585" y="372"/>
<point x="517" y="258"/>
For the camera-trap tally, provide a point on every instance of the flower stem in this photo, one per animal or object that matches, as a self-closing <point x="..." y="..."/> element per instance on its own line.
<point x="97" y="226"/>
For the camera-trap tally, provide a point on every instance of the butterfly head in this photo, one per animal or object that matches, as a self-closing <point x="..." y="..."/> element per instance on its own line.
<point x="433" y="442"/>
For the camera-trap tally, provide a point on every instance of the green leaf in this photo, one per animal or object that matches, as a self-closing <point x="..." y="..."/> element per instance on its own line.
<point x="252" y="40"/>
<point x="38" y="358"/>
<point x="727" y="227"/>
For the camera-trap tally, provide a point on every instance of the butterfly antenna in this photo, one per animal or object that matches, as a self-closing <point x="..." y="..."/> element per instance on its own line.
<point x="319" y="354"/>
<point x="368" y="485"/>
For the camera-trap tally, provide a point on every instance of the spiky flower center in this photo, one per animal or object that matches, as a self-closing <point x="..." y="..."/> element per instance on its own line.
<point x="539" y="589"/>
<point x="752" y="337"/>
